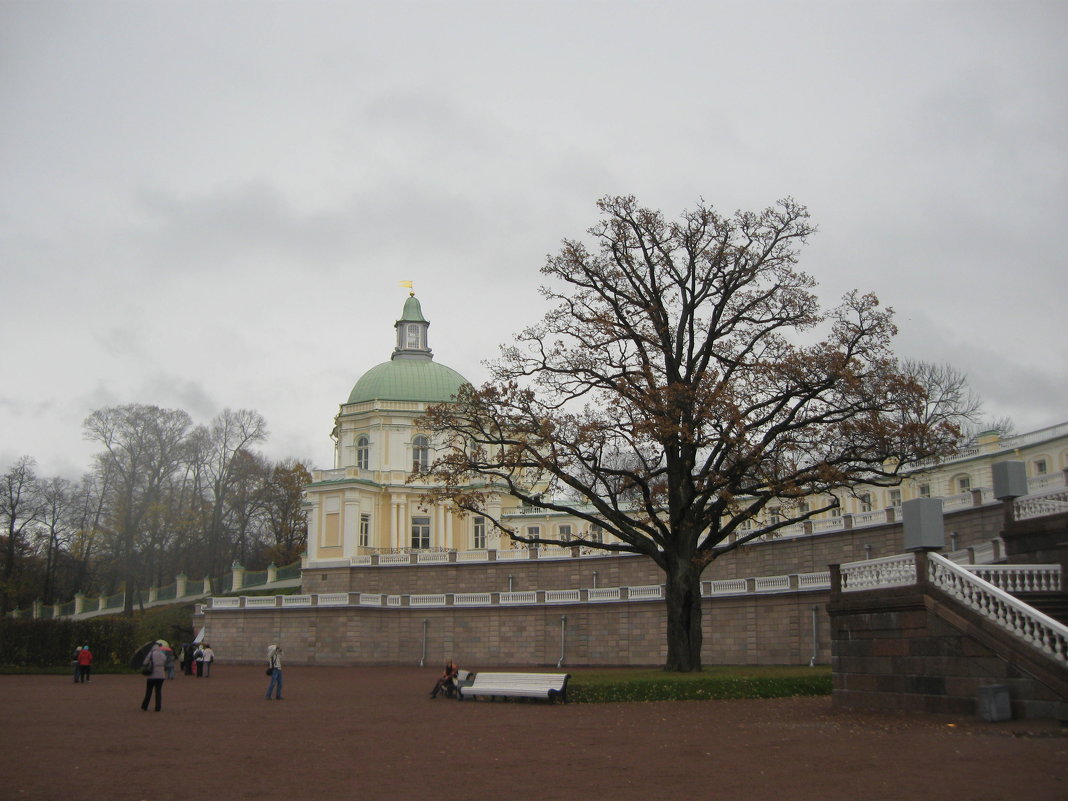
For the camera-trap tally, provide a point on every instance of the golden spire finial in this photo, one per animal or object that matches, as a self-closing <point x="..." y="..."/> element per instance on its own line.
<point x="410" y="285"/>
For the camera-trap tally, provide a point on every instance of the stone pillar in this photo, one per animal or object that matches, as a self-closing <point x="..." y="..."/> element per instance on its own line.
<point x="238" y="572"/>
<point x="180" y="582"/>
<point x="153" y="594"/>
<point x="79" y="603"/>
<point x="36" y="609"/>
<point x="272" y="573"/>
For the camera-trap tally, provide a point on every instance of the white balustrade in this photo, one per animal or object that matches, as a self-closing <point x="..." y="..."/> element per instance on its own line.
<point x="563" y="596"/>
<point x="889" y="571"/>
<point x="296" y="600"/>
<point x="393" y="600"/>
<point x="333" y="599"/>
<point x="728" y="587"/>
<point x="260" y="601"/>
<point x="830" y="524"/>
<point x="647" y="592"/>
<point x="360" y="560"/>
<point x="771" y="584"/>
<point x="1051" y="502"/>
<point x="370" y="599"/>
<point x="814" y="581"/>
<point x="435" y="599"/>
<point x="394" y="559"/>
<point x="1028" y="624"/>
<point x="597" y="594"/>
<point x="527" y="597"/>
<point x="225" y="603"/>
<point x="958" y="501"/>
<point x="472" y="556"/>
<point x="1019" y="578"/>
<point x="432" y="558"/>
<point x="513" y="555"/>
<point x="472" y="599"/>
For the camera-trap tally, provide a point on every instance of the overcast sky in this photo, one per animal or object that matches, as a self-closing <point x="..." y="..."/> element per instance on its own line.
<point x="209" y="204"/>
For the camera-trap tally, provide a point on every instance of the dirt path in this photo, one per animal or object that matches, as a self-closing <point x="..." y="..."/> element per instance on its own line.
<point x="372" y="734"/>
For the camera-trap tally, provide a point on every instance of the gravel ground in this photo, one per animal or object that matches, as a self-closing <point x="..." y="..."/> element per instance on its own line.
<point x="373" y="733"/>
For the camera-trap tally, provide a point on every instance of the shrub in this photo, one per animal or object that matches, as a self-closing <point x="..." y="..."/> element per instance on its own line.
<point x="722" y="684"/>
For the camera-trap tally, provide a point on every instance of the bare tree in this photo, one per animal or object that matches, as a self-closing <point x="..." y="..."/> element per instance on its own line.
<point x="229" y="435"/>
<point x="678" y="388"/>
<point x="143" y="446"/>
<point x="56" y="519"/>
<point x="20" y="508"/>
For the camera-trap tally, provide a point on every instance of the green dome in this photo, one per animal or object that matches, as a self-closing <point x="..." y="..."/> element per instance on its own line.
<point x="408" y="380"/>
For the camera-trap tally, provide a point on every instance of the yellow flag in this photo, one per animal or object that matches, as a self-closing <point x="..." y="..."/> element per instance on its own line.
<point x="405" y="283"/>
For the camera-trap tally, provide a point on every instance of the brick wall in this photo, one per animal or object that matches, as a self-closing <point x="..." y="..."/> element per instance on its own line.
<point x="752" y="629"/>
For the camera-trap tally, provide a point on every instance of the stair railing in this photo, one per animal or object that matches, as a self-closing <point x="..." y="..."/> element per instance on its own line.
<point x="1009" y="613"/>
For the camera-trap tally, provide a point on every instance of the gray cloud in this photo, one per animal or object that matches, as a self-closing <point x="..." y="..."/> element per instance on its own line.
<point x="206" y="208"/>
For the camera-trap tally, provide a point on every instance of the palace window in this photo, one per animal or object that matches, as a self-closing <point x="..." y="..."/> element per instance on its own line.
<point x="596" y="533"/>
<point x="865" y="502"/>
<point x="964" y="483"/>
<point x="420" y="454"/>
<point x="363" y="452"/>
<point x="479" y="532"/>
<point x="365" y="530"/>
<point x="564" y="532"/>
<point x="1041" y="467"/>
<point x="925" y="490"/>
<point x="895" y="498"/>
<point x="420" y="532"/>
<point x="533" y="531"/>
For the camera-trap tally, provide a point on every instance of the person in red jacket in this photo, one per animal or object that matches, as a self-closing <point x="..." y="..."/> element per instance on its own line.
<point x="85" y="663"/>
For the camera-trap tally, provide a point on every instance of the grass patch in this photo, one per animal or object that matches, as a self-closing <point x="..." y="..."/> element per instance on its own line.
<point x="720" y="682"/>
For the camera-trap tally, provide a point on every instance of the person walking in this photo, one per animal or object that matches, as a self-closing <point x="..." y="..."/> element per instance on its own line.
<point x="76" y="665"/>
<point x="156" y="663"/>
<point x="209" y="657"/>
<point x="85" y="663"/>
<point x="198" y="656"/>
<point x="274" y="666"/>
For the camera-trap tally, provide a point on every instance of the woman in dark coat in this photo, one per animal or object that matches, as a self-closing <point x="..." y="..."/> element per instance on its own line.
<point x="156" y="662"/>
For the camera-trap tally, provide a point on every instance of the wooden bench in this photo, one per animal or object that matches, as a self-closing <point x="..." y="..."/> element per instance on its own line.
<point x="549" y="686"/>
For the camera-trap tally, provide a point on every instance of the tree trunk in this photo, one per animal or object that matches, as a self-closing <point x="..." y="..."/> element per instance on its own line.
<point x="684" y="635"/>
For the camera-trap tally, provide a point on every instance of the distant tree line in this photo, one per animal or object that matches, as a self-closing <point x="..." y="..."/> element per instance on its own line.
<point x="163" y="496"/>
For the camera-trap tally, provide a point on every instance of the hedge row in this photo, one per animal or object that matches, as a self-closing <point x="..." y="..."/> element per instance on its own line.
<point x="710" y="688"/>
<point x="113" y="639"/>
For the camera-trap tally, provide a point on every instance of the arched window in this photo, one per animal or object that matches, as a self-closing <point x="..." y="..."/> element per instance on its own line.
<point x="363" y="452"/>
<point x="420" y="453"/>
